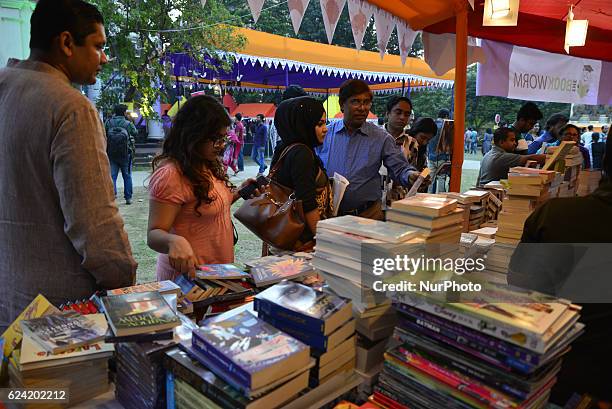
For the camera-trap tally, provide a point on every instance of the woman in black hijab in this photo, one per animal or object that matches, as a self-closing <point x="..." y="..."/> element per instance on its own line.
<point x="301" y="126"/>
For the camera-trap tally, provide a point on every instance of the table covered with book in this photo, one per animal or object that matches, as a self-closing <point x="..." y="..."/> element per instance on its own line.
<point x="309" y="330"/>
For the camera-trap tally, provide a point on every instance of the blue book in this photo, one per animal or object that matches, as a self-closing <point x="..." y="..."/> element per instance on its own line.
<point x="249" y="350"/>
<point x="310" y="338"/>
<point x="307" y="308"/>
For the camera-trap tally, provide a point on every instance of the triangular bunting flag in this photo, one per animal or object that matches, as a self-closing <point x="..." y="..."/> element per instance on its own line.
<point x="384" y="27"/>
<point x="360" y="13"/>
<point x="203" y="2"/>
<point x="406" y="37"/>
<point x="331" y="9"/>
<point x="297" y="8"/>
<point x="256" y="6"/>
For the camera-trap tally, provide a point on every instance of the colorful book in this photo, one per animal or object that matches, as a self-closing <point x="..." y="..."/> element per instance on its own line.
<point x="138" y="313"/>
<point x="60" y="332"/>
<point x="33" y="356"/>
<point x="275" y="269"/>
<point x="249" y="350"/>
<point x="162" y="287"/>
<point x="220" y="272"/>
<point x="375" y="229"/>
<point x="12" y="336"/>
<point x="314" y="310"/>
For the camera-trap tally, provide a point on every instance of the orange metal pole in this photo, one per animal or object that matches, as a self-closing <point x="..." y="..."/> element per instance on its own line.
<point x="461" y="30"/>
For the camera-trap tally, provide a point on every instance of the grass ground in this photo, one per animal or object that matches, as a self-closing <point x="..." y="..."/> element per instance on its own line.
<point x="247" y="248"/>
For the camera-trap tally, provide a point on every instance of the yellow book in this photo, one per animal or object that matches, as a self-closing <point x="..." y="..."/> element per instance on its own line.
<point x="39" y="307"/>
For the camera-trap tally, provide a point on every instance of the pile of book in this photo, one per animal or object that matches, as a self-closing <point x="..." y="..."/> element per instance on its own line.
<point x="257" y="364"/>
<point x="215" y="289"/>
<point x="320" y="320"/>
<point x="477" y="354"/>
<point x="269" y="270"/>
<point x="588" y="181"/>
<point x="436" y="218"/>
<point x="567" y="160"/>
<point x="526" y="189"/>
<point x="475" y="204"/>
<point x="62" y="351"/>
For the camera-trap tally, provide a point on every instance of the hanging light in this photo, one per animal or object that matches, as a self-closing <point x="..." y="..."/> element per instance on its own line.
<point x="575" y="31"/>
<point x="500" y="13"/>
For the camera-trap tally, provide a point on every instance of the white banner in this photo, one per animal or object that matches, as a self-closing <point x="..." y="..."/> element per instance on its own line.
<point x="552" y="77"/>
<point x="525" y="73"/>
<point x="360" y="13"/>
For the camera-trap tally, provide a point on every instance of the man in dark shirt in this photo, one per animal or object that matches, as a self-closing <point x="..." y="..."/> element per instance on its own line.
<point x="551" y="134"/>
<point x="526" y="118"/>
<point x="597" y="150"/>
<point x="574" y="263"/>
<point x="498" y="161"/>
<point x="260" y="139"/>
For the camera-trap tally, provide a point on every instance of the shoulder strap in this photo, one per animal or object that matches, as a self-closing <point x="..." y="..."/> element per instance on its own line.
<point x="278" y="163"/>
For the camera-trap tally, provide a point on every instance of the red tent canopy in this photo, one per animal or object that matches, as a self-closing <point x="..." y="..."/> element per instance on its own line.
<point x="541" y="25"/>
<point x="251" y="110"/>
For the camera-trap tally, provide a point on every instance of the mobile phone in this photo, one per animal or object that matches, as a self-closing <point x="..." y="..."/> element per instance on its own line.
<point x="247" y="191"/>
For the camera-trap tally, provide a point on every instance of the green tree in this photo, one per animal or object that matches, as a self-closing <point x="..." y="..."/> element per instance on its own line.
<point x="142" y="33"/>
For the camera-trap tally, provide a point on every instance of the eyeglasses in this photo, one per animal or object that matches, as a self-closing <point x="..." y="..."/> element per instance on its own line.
<point x="356" y="103"/>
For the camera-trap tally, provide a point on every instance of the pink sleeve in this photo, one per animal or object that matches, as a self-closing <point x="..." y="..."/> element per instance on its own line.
<point x="167" y="186"/>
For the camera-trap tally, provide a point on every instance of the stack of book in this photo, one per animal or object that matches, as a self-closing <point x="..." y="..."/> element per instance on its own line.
<point x="139" y="379"/>
<point x="260" y="362"/>
<point x="63" y="352"/>
<point x="436" y="217"/>
<point x="567" y="160"/>
<point x="477" y="355"/>
<point x="475" y="204"/>
<point x="588" y="181"/>
<point x="526" y="188"/>
<point x="320" y="320"/>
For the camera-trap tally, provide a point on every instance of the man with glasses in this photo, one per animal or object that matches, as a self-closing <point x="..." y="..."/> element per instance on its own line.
<point x="356" y="149"/>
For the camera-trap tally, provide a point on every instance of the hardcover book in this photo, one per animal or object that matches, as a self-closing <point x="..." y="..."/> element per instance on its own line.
<point x="275" y="269"/>
<point x="318" y="311"/>
<point x="138" y="313"/>
<point x="375" y="229"/>
<point x="250" y="350"/>
<point x="162" y="287"/>
<point x="64" y="331"/>
<point x="220" y="272"/>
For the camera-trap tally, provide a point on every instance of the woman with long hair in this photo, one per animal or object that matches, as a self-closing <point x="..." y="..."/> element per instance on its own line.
<point x="190" y="193"/>
<point x="301" y="126"/>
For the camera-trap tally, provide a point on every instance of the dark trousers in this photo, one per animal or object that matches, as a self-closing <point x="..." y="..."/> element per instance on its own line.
<point x="126" y="174"/>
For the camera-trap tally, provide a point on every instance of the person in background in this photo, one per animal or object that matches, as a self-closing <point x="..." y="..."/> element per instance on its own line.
<point x="292" y="91"/>
<point x="302" y="121"/>
<point x="596" y="150"/>
<point x="356" y="149"/>
<point x="240" y="135"/>
<point x="473" y="141"/>
<point x="420" y="133"/>
<point x="498" y="161"/>
<point x="467" y="135"/>
<point x="603" y="135"/>
<point x="233" y="147"/>
<point x="487" y="141"/>
<point x="565" y="269"/>
<point x="551" y="134"/>
<point x="526" y="118"/>
<point x="260" y="139"/>
<point x="436" y="159"/>
<point x="166" y="123"/>
<point x="61" y="234"/>
<point x="571" y="133"/>
<point x="533" y="134"/>
<point x="120" y="135"/>
<point x="190" y="194"/>
<point x="585" y="138"/>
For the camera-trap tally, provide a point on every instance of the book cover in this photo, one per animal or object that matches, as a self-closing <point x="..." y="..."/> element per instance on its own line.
<point x="315" y="310"/>
<point x="162" y="287"/>
<point x="220" y="272"/>
<point x="139" y="313"/>
<point x="32" y="354"/>
<point x="426" y="204"/>
<point x="191" y="291"/>
<point x="60" y="332"/>
<point x="275" y="269"/>
<point x="250" y="349"/>
<point x="375" y="229"/>
<point x="12" y="336"/>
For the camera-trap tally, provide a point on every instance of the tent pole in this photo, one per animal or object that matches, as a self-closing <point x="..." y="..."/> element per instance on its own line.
<point x="460" y="85"/>
<point x="286" y="76"/>
<point x="403" y="87"/>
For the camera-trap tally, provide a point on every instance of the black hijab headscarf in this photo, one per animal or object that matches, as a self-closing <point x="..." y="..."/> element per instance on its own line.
<point x="295" y="121"/>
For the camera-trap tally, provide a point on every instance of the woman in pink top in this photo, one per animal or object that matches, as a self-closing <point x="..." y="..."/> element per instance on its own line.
<point x="190" y="193"/>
